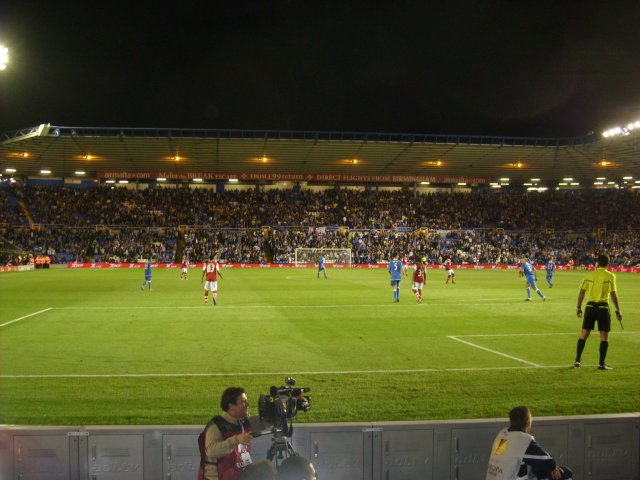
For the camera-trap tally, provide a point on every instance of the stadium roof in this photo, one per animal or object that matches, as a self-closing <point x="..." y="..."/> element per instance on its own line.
<point x="272" y="155"/>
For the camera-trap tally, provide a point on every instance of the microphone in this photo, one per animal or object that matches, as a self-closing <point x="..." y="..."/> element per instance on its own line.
<point x="296" y="392"/>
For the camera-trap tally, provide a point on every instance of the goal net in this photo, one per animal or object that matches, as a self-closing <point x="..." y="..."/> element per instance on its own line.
<point x="331" y="255"/>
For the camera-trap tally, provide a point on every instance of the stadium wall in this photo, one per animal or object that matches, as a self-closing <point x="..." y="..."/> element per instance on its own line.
<point x="598" y="447"/>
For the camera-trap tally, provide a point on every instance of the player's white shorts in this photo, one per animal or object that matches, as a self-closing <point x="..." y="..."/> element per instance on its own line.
<point x="450" y="272"/>
<point x="417" y="286"/>
<point x="211" y="286"/>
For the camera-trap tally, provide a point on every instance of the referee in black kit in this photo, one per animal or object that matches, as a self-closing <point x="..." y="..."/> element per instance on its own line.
<point x="602" y="285"/>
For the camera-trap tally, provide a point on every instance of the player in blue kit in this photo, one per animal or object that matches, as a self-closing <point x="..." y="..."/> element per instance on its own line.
<point x="530" y="275"/>
<point x="395" y="271"/>
<point x="321" y="266"/>
<point x="551" y="269"/>
<point x="147" y="275"/>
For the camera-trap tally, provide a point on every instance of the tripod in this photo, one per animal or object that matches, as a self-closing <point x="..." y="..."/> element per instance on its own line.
<point x="280" y="449"/>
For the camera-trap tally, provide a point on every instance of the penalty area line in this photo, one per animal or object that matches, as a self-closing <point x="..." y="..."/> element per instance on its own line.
<point x="496" y="352"/>
<point x="25" y="316"/>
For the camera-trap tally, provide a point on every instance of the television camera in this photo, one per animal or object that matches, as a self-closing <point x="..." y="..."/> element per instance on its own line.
<point x="278" y="408"/>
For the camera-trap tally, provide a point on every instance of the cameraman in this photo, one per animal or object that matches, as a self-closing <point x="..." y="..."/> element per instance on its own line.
<point x="226" y="450"/>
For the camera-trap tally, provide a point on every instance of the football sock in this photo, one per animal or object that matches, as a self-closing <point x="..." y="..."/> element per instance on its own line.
<point x="604" y="346"/>
<point x="528" y="292"/>
<point x="580" y="348"/>
<point x="206" y="297"/>
<point x="540" y="293"/>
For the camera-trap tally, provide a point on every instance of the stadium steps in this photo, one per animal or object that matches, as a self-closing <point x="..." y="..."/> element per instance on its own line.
<point x="179" y="247"/>
<point x="25" y="210"/>
<point x="266" y="245"/>
<point x="6" y="247"/>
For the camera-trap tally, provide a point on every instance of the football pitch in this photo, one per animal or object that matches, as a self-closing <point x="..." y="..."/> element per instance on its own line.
<point x="88" y="347"/>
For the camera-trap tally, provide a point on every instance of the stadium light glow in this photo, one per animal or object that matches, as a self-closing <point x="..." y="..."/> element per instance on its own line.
<point x="110" y="181"/>
<point x="80" y="172"/>
<point x="622" y="131"/>
<point x="233" y="180"/>
<point x="123" y="181"/>
<point x="535" y="179"/>
<point x="495" y="185"/>
<point x="598" y="183"/>
<point x="575" y="183"/>
<point x="567" y="179"/>
<point x="563" y="184"/>
<point x="627" y="178"/>
<point x="425" y="183"/>
<point x="528" y="184"/>
<point x="45" y="171"/>
<point x="10" y="170"/>
<point x="601" y="178"/>
<point x="504" y="179"/>
<point x="197" y="180"/>
<point x="4" y="57"/>
<point x="461" y="184"/>
<point x="161" y="179"/>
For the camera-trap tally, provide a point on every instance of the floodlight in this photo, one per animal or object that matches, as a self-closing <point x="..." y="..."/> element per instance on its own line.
<point x="4" y="57"/>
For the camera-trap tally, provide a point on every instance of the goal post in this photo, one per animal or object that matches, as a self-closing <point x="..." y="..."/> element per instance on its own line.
<point x="331" y="255"/>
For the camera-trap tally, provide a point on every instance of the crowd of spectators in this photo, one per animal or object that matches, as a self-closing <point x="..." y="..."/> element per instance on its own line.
<point x="106" y="224"/>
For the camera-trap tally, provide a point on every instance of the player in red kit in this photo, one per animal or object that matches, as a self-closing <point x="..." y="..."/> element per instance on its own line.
<point x="211" y="270"/>
<point x="185" y="268"/>
<point x="419" y="275"/>
<point x="451" y="275"/>
<point x="405" y="266"/>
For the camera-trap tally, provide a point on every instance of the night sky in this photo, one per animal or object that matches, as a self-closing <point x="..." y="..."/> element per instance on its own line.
<point x="512" y="68"/>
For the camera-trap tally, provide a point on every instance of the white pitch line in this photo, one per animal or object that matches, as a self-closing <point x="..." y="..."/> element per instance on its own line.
<point x="493" y="351"/>
<point x="548" y="334"/>
<point x="26" y="316"/>
<point x="288" y="373"/>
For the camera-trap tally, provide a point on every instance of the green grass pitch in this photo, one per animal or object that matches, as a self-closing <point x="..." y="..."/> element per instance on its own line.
<point x="88" y="347"/>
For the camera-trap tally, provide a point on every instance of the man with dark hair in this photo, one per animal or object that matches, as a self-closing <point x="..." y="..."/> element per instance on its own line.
<point x="296" y="468"/>
<point x="516" y="454"/>
<point x="601" y="285"/>
<point x="225" y="445"/>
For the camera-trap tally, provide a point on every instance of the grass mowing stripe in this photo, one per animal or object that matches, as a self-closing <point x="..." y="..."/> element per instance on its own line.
<point x="24" y="316"/>
<point x="493" y="351"/>
<point x="287" y="373"/>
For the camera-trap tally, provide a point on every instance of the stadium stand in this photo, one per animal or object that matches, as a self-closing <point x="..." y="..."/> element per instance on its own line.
<point x="104" y="224"/>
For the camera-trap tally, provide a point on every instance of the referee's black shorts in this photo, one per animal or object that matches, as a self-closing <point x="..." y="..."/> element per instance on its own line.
<point x="597" y="312"/>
